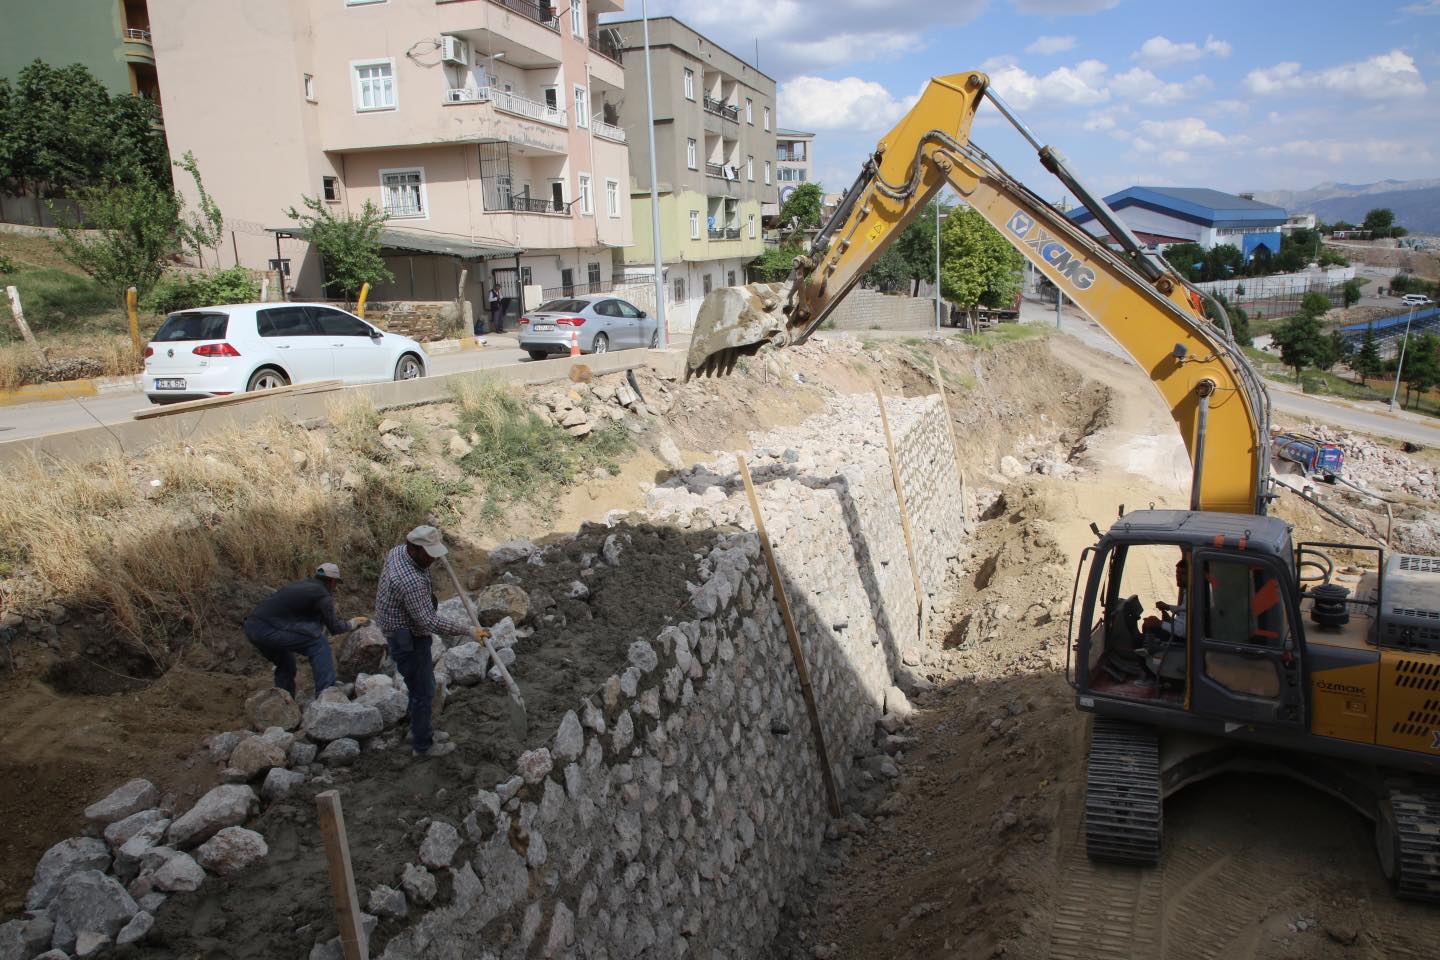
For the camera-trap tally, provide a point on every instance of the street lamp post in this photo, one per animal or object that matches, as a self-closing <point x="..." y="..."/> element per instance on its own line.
<point x="1400" y="366"/>
<point x="664" y="338"/>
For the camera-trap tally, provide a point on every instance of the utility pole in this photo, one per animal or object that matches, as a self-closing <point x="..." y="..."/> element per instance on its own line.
<point x="1401" y="365"/>
<point x="664" y="340"/>
<point x="937" y="263"/>
<point x="1059" y="302"/>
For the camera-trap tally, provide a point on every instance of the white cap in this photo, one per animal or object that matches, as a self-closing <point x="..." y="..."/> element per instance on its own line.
<point x="429" y="538"/>
<point x="329" y="570"/>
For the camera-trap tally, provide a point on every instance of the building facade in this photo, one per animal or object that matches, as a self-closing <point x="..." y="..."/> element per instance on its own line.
<point x="794" y="161"/>
<point x="483" y="129"/>
<point x="111" y="38"/>
<point x="715" y="157"/>
<point x="1163" y="216"/>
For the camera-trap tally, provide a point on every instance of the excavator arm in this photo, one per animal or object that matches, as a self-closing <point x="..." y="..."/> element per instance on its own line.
<point x="1216" y="399"/>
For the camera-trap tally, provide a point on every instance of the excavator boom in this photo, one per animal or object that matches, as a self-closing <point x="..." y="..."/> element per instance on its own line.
<point x="1216" y="399"/>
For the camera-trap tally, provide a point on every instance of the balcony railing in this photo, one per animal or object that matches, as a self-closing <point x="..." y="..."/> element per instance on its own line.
<point x="535" y="205"/>
<point x="784" y="157"/>
<point x="605" y="45"/>
<point x="608" y="130"/>
<point x="137" y="34"/>
<point x="541" y="13"/>
<point x="724" y="233"/>
<point x="715" y="170"/>
<point x="521" y="106"/>
<point x="722" y="109"/>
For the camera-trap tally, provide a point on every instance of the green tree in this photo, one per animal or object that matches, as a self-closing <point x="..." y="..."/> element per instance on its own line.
<point x="1315" y="305"/>
<point x="203" y="230"/>
<point x="349" y="245"/>
<point x="1302" y="342"/>
<point x="773" y="266"/>
<point x="1188" y="259"/>
<point x="135" y="229"/>
<point x="977" y="265"/>
<point x="890" y="273"/>
<point x="1333" y="258"/>
<point x="916" y="247"/>
<point x="804" y="206"/>
<point x="1337" y="349"/>
<point x="1367" y="362"/>
<point x="1351" y="293"/>
<point x="1223" y="261"/>
<point x="1239" y="319"/>
<point x="184" y="291"/>
<point x="1422" y="366"/>
<point x="1379" y="221"/>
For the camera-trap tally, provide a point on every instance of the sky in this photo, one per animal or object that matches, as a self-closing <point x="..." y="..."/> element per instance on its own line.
<point x="1238" y="96"/>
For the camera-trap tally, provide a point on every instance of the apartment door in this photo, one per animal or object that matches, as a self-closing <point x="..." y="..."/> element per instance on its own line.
<point x="557" y="196"/>
<point x="507" y="279"/>
<point x="567" y="282"/>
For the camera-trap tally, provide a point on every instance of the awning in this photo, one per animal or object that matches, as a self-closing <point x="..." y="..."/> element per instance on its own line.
<point x="394" y="239"/>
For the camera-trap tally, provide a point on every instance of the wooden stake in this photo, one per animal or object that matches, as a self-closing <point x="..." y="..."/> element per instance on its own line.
<point x="904" y="512"/>
<point x="19" y="314"/>
<point x="131" y="297"/>
<point x="954" y="447"/>
<point x="342" y="878"/>
<point x="796" y="651"/>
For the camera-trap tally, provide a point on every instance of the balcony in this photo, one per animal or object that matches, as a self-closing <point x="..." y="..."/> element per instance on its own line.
<point x="535" y="205"/>
<point x="138" y="35"/>
<point x="724" y="233"/>
<point x="715" y="170"/>
<point x="518" y="105"/>
<point x="603" y="42"/>
<point x="517" y="33"/>
<point x="541" y="13"/>
<point x="722" y="110"/>
<point x="607" y="131"/>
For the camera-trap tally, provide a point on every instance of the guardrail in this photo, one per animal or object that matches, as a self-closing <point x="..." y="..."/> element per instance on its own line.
<point x="607" y="131"/>
<point x="138" y="35"/>
<point x="541" y="13"/>
<point x="722" y="109"/>
<point x="522" y="106"/>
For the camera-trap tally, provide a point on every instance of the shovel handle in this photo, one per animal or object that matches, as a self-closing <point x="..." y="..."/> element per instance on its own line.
<point x="510" y="683"/>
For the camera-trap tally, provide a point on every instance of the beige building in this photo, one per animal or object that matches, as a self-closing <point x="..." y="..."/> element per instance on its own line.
<point x="715" y="158"/>
<point x="485" y="129"/>
<point x="794" y="163"/>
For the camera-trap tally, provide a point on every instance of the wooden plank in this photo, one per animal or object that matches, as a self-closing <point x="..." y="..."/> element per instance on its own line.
<point x="18" y="312"/>
<point x="954" y="447"/>
<point x="210" y="403"/>
<point x="342" y="878"/>
<point x="904" y="511"/>
<point x="797" y="652"/>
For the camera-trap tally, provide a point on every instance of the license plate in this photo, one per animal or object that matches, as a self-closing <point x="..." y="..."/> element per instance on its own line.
<point x="545" y="327"/>
<point x="170" y="384"/>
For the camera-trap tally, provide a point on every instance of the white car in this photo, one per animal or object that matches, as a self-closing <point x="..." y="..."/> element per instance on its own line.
<point x="1414" y="299"/>
<point x="215" y="351"/>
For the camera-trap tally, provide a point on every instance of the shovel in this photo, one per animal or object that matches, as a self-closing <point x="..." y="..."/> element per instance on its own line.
<point x="516" y="718"/>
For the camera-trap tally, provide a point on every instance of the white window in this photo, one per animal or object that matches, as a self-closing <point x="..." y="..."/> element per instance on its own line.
<point x="403" y="192"/>
<point x="582" y="107"/>
<point x="749" y="113"/>
<point x="690" y="154"/>
<point x="689" y="84"/>
<point x="375" y="85"/>
<point x="766" y="115"/>
<point x="310" y="87"/>
<point x="750" y="169"/>
<point x="694" y="226"/>
<point x="577" y="19"/>
<point x="331" y="188"/>
<point x="752" y="229"/>
<point x="767" y="172"/>
<point x="587" y="202"/>
<point x="612" y="197"/>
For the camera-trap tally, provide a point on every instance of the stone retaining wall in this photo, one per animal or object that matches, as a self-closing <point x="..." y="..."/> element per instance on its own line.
<point x="674" y="808"/>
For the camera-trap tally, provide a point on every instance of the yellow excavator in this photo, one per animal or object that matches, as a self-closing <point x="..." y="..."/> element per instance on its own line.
<point x="1276" y="655"/>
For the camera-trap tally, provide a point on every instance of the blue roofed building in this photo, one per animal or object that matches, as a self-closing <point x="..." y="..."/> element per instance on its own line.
<point x="1162" y="216"/>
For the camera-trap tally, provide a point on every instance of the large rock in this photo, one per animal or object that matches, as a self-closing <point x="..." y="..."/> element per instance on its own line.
<point x="569" y="739"/>
<point x="225" y="806"/>
<point x="256" y="756"/>
<point x="122" y="830"/>
<point x="360" y="652"/>
<point x="418" y="884"/>
<point x="512" y="550"/>
<point x="131" y="798"/>
<point x="279" y="783"/>
<point x="272" y="708"/>
<point x="23" y="939"/>
<point x="326" y="720"/>
<point x="388" y="902"/>
<point x="438" y="848"/>
<point x="501" y="600"/>
<point x="466" y="663"/>
<point x="534" y="765"/>
<point x="66" y="858"/>
<point x="131" y="854"/>
<point x="390" y="700"/>
<point x="340" y="753"/>
<point x="136" y="930"/>
<point x="179" y="874"/>
<point x="89" y="902"/>
<point x="231" y="851"/>
<point x="897" y="703"/>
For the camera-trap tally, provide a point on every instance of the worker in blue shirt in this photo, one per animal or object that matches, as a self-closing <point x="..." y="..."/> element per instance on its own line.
<point x="293" y="620"/>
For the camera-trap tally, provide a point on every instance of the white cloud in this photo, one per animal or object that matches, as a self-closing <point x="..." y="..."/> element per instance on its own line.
<point x="1099" y="122"/>
<point x="1142" y="86"/>
<point x="849" y="104"/>
<point x="1048" y="45"/>
<point x="1426" y="8"/>
<point x="1381" y="77"/>
<point x="1174" y="157"/>
<point x="1056" y="8"/>
<point x="1160" y="51"/>
<point x="1348" y="151"/>
<point x="849" y="47"/>
<point x="1184" y="132"/>
<point x="1226" y="108"/>
<point x="1082" y="84"/>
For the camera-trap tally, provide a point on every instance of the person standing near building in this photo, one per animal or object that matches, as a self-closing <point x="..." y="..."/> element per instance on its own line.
<point x="406" y="611"/>
<point x="497" y="310"/>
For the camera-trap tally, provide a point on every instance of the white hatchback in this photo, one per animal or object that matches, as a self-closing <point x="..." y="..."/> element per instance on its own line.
<point x="215" y="351"/>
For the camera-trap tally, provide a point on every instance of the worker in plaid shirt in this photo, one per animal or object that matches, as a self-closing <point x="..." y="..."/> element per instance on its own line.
<point x="405" y="611"/>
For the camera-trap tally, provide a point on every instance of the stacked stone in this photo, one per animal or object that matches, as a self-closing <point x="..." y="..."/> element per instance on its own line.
<point x="872" y="310"/>
<point x="930" y="477"/>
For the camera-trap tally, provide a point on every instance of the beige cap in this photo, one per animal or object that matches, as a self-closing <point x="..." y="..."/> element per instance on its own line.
<point x="328" y="570"/>
<point x="429" y="538"/>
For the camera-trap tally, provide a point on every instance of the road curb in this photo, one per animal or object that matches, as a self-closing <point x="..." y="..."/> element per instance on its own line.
<point x="66" y="389"/>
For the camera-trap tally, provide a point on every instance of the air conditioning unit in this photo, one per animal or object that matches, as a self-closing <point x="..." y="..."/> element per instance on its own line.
<point x="455" y="50"/>
<point x="458" y="95"/>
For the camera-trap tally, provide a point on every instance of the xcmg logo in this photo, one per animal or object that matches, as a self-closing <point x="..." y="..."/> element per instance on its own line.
<point x="1051" y="251"/>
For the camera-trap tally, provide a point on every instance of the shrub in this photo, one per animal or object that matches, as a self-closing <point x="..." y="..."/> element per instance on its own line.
<point x="185" y="291"/>
<point x="7" y="265"/>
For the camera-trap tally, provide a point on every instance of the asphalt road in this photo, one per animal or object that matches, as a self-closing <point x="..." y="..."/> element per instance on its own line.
<point x="1343" y="414"/>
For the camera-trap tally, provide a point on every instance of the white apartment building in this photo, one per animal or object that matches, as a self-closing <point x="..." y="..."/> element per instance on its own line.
<point x="486" y="130"/>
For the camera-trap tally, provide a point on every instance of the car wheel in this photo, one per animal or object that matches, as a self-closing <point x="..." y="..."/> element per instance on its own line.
<point x="655" y="339"/>
<point x="537" y="354"/>
<point x="267" y="378"/>
<point x="601" y="344"/>
<point x="409" y="368"/>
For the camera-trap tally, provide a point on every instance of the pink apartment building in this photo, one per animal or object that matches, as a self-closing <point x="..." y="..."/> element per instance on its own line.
<point x="485" y="129"/>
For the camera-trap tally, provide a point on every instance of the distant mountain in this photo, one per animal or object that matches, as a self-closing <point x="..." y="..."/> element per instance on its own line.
<point x="1416" y="202"/>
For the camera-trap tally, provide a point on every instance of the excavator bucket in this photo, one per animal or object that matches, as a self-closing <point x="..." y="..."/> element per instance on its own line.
<point x="736" y="322"/>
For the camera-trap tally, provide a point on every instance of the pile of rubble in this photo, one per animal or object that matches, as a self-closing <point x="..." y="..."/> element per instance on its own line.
<point x="590" y="402"/>
<point x="1383" y="469"/>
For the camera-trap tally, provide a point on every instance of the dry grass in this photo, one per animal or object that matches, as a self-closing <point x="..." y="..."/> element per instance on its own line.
<point x="69" y="358"/>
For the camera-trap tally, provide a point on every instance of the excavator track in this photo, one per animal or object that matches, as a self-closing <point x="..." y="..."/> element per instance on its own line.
<point x="1416" y="814"/>
<point x="1123" y="809"/>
